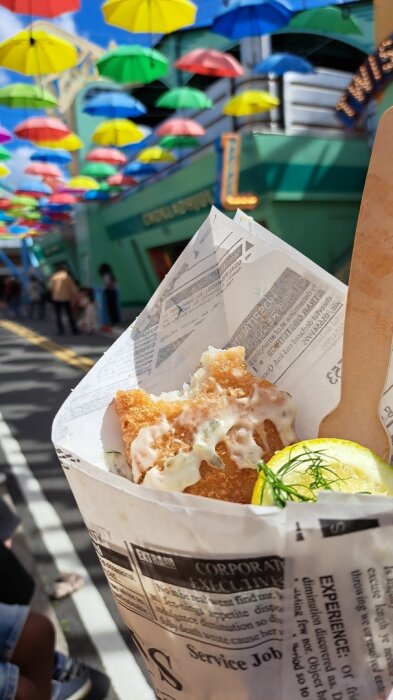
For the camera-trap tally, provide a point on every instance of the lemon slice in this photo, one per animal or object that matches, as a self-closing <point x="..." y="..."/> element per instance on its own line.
<point x="299" y="471"/>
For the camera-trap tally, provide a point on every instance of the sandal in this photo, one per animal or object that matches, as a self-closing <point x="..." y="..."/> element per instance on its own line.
<point x="65" y="584"/>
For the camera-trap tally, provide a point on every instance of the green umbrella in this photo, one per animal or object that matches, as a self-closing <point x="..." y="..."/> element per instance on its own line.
<point x="98" y="170"/>
<point x="27" y="96"/>
<point x="328" y="20"/>
<point x="4" y="154"/>
<point x="132" y="64"/>
<point x="184" y="98"/>
<point x="24" y="201"/>
<point x="171" y="142"/>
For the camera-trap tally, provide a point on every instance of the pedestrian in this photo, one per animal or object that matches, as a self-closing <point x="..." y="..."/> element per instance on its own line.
<point x="88" y="319"/>
<point x="63" y="291"/>
<point x="111" y="294"/>
<point x="14" y="295"/>
<point x="34" y="290"/>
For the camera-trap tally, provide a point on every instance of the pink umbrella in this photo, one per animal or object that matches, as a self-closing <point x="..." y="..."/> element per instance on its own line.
<point x="55" y="183"/>
<point x="43" y="169"/>
<point x="5" y="135"/>
<point x="120" y="180"/>
<point x="210" y="62"/>
<point x="180" y="127"/>
<point x="41" y="129"/>
<point x="62" y="198"/>
<point x="107" y="155"/>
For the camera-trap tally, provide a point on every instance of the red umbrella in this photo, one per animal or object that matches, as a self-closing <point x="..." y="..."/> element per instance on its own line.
<point x="210" y="62"/>
<point x="180" y="127"/>
<point x="107" y="155"/>
<point x="4" y="203"/>
<point x="41" y="129"/>
<point x="41" y="8"/>
<point x="62" y="198"/>
<point x="44" y="170"/>
<point x="120" y="180"/>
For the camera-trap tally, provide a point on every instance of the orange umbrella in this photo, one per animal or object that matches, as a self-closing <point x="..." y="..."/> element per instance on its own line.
<point x="41" y="129"/>
<point x="44" y="170"/>
<point x="210" y="62"/>
<point x="180" y="127"/>
<point x="120" y="180"/>
<point x="106" y="155"/>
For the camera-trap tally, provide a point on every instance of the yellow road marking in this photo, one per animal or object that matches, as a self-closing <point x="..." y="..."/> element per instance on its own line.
<point x="70" y="357"/>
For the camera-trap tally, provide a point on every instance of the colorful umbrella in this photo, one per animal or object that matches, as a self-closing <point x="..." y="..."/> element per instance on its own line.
<point x="23" y="201"/>
<point x="298" y="5"/>
<point x="139" y="169"/>
<point x="97" y="195"/>
<point x="7" y="218"/>
<point x="41" y="8"/>
<point x="62" y="199"/>
<point x="328" y="20"/>
<point x="117" y="132"/>
<point x="246" y="18"/>
<point x="171" y="142"/>
<point x="18" y="229"/>
<point x="184" y="98"/>
<point x="41" y="129"/>
<point x="210" y="62"/>
<point x="155" y="154"/>
<point x="43" y="170"/>
<point x="151" y="16"/>
<point x="132" y="64"/>
<point x="106" y="155"/>
<point x="98" y="170"/>
<point x="32" y="187"/>
<point x="4" y="170"/>
<point x="120" y="180"/>
<point x="250" y="102"/>
<point x="4" y="154"/>
<point x="280" y="63"/>
<point x="82" y="183"/>
<point x="72" y="142"/>
<point x="4" y="203"/>
<point x="34" y="52"/>
<point x="5" y="135"/>
<point x="26" y="96"/>
<point x="51" y="155"/>
<point x="114" y="104"/>
<point x="180" y="127"/>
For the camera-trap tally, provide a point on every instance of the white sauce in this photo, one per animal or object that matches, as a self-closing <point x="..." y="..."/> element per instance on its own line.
<point x="142" y="455"/>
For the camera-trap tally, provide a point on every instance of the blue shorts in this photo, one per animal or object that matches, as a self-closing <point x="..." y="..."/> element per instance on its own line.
<point x="12" y="621"/>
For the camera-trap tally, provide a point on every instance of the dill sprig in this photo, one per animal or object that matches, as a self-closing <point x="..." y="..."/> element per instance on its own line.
<point x="317" y="468"/>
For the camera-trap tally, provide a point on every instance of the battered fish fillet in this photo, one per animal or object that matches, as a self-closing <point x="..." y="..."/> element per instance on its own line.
<point x="207" y="438"/>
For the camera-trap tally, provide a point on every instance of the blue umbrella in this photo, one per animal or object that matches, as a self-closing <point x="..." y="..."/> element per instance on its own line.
<point x="96" y="195"/>
<point x="7" y="218"/>
<point x="131" y="148"/>
<point x="298" y="5"/>
<point x="139" y="169"/>
<point x="48" y="208"/>
<point x="246" y="18"/>
<point x="112" y="105"/>
<point x="280" y="63"/>
<point x="52" y="155"/>
<point x="18" y="229"/>
<point x="33" y="185"/>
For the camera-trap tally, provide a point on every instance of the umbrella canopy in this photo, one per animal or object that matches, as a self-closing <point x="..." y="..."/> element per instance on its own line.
<point x="16" y="228"/>
<point x="32" y="187"/>
<point x="35" y="52"/>
<point x="98" y="170"/>
<point x="41" y="129"/>
<point x="251" y="18"/>
<point x="71" y="142"/>
<point x="51" y="155"/>
<point x="97" y="195"/>
<point x="114" y="104"/>
<point x="43" y="170"/>
<point x="82" y="183"/>
<point x="41" y="8"/>
<point x="210" y="62"/>
<point x="4" y="154"/>
<point x="23" y="201"/>
<point x="171" y="142"/>
<point x="328" y="20"/>
<point x="250" y="102"/>
<point x="117" y="132"/>
<point x="120" y="180"/>
<point x="106" y="155"/>
<point x="155" y="154"/>
<point x="7" y="218"/>
<point x="26" y="96"/>
<point x="5" y="135"/>
<point x="180" y="127"/>
<point x="184" y="98"/>
<point x="62" y="199"/>
<point x="151" y="16"/>
<point x="4" y="170"/>
<point x="5" y="203"/>
<point x="280" y="63"/>
<point x="139" y="169"/>
<point x="132" y="64"/>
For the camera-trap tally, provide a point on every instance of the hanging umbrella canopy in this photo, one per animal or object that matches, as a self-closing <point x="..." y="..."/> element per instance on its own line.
<point x="35" y="52"/>
<point x="43" y="170"/>
<point x="182" y="142"/>
<point x="120" y="180"/>
<point x="246" y="18"/>
<point x="62" y="199"/>
<point x="97" y="195"/>
<point x="210" y="62"/>
<point x="280" y="63"/>
<point x="71" y="142"/>
<point x="41" y="8"/>
<point x="4" y="170"/>
<point x="139" y="169"/>
<point x="26" y="96"/>
<point x="51" y="155"/>
<point x="250" y="102"/>
<point x="98" y="170"/>
<point x="328" y="20"/>
<point x="4" y="153"/>
<point x="132" y="64"/>
<point x="184" y="98"/>
<point x="114" y="104"/>
<point x="7" y="218"/>
<point x="16" y="228"/>
<point x="151" y="16"/>
<point x="82" y="183"/>
<point x="5" y="203"/>
<point x="180" y="127"/>
<point x="155" y="154"/>
<point x="106" y="155"/>
<point x="117" y="132"/>
<point x="40" y="129"/>
<point x="30" y="216"/>
<point x="5" y="135"/>
<point x="25" y="201"/>
<point x="32" y="187"/>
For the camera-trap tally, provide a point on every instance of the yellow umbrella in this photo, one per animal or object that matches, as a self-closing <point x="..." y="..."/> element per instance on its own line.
<point x="82" y="183"/>
<point x="34" y="52"/>
<point x="117" y="132"/>
<point x="250" y="102"/>
<point x="156" y="154"/>
<point x="3" y="170"/>
<point x="151" y="16"/>
<point x="72" y="142"/>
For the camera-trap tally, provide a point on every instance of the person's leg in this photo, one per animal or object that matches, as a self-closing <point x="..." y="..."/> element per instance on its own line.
<point x="33" y="655"/>
<point x="70" y="316"/>
<point x="58" y="308"/>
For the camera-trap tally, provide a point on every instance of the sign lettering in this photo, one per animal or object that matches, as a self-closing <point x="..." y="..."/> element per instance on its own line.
<point x="230" y="198"/>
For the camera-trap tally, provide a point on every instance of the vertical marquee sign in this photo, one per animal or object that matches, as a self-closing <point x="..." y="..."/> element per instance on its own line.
<point x="229" y="196"/>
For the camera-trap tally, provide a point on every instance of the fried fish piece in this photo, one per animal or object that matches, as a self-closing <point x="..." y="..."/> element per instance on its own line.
<point x="207" y="438"/>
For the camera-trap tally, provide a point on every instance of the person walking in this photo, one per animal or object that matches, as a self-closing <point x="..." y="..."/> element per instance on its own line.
<point x="63" y="290"/>
<point x="34" y="296"/>
<point x="111" y="294"/>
